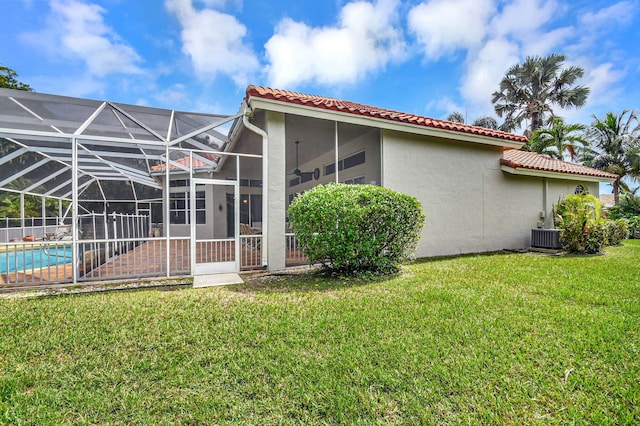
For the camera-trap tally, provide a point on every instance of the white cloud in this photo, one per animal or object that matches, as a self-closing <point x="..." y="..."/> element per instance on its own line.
<point x="443" y="26"/>
<point x="215" y="42"/>
<point x="366" y="38"/>
<point x="494" y="35"/>
<point x="619" y="13"/>
<point x="541" y="43"/>
<point x="446" y="105"/>
<point x="485" y="69"/>
<point x="522" y="18"/>
<point x="600" y="79"/>
<point x="76" y="30"/>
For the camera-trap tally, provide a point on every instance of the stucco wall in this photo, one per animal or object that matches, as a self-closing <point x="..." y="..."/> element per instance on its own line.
<point x="470" y="203"/>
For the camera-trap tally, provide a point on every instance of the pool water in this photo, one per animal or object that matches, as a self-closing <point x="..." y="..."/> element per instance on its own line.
<point x="25" y="259"/>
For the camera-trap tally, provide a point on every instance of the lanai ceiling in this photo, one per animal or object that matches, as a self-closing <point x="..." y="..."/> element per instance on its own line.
<point x="114" y="142"/>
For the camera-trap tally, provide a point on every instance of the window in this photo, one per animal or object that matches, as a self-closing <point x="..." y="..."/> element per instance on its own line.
<point x="179" y="183"/>
<point x="354" y="160"/>
<point x="329" y="169"/>
<point x="253" y="183"/>
<point x="250" y="208"/>
<point x="179" y="208"/>
<point x="306" y="177"/>
<point x="355" y="181"/>
<point x="346" y="163"/>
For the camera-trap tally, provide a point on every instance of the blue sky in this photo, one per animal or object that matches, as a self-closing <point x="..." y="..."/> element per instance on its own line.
<point x="423" y="57"/>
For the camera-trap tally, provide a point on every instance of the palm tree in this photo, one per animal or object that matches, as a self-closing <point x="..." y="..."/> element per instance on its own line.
<point x="557" y="139"/>
<point x="616" y="142"/>
<point x="528" y="91"/>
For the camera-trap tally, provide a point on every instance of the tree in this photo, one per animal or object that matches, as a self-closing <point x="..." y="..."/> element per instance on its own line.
<point x="530" y="90"/>
<point x="487" y="122"/>
<point x="10" y="206"/>
<point x="557" y="139"/>
<point x="456" y="117"/>
<point x="8" y="80"/>
<point x="616" y="143"/>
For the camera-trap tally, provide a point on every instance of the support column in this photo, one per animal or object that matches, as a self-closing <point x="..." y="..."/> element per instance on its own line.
<point x="75" y="255"/>
<point x="166" y="208"/>
<point x="22" y="221"/>
<point x="277" y="191"/>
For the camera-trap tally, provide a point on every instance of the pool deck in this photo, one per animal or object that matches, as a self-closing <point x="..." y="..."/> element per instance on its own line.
<point x="146" y="260"/>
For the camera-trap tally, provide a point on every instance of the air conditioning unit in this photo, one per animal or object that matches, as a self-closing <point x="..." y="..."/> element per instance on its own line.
<point x="546" y="238"/>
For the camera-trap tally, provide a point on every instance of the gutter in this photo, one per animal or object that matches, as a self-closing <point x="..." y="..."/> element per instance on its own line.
<point x="513" y="169"/>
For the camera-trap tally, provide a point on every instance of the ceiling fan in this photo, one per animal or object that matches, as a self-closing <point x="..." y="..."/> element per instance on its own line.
<point x="304" y="176"/>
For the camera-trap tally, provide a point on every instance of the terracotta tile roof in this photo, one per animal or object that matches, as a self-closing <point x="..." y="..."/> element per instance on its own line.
<point x="517" y="159"/>
<point x="185" y="162"/>
<point x="371" y="111"/>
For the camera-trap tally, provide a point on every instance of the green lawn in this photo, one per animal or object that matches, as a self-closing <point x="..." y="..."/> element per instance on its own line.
<point x="500" y="339"/>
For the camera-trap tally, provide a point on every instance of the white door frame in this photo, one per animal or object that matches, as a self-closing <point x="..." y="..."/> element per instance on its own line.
<point x="214" y="267"/>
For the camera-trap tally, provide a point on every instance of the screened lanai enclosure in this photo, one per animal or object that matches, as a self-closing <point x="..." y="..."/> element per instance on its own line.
<point x="94" y="190"/>
<point x="97" y="191"/>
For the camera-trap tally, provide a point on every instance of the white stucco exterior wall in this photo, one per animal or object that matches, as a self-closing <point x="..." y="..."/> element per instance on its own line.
<point x="471" y="204"/>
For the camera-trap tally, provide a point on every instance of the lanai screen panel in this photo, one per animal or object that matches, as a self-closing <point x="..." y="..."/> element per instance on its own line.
<point x="115" y="143"/>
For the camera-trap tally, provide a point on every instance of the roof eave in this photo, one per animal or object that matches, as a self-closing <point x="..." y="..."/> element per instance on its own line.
<point x="325" y="114"/>
<point x="554" y="175"/>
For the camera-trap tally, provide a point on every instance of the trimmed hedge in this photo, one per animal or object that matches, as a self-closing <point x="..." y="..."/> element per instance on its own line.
<point x="356" y="229"/>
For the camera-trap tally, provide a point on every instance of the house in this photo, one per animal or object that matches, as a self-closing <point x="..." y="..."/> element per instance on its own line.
<point x="608" y="200"/>
<point x="479" y="192"/>
<point x="226" y="181"/>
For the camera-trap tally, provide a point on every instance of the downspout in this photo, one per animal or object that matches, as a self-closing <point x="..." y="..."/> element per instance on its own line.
<point x="265" y="178"/>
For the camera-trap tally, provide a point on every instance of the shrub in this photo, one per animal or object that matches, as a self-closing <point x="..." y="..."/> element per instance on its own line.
<point x="356" y="229"/>
<point x="617" y="230"/>
<point x="582" y="229"/>
<point x="596" y="237"/>
<point x="634" y="227"/>
<point x="629" y="206"/>
<point x="628" y="209"/>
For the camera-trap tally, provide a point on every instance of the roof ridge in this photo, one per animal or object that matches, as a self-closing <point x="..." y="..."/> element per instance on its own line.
<point x="357" y="108"/>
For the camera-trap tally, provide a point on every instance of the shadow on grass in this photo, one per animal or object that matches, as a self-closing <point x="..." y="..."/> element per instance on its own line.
<point x="311" y="280"/>
<point x="314" y="280"/>
<point x="437" y="259"/>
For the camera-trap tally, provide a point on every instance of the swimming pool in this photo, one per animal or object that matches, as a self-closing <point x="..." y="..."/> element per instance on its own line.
<point x="33" y="258"/>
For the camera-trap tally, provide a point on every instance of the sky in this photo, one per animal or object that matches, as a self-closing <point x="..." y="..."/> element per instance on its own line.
<point x="422" y="57"/>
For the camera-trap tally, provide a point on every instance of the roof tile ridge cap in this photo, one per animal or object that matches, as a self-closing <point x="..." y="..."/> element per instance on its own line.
<point x="371" y="110"/>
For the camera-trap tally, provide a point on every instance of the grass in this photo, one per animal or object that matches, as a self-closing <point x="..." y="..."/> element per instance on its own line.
<point x="499" y="339"/>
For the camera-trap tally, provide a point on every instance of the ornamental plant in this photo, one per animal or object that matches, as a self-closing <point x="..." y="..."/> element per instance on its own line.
<point x="579" y="219"/>
<point x="634" y="227"/>
<point x="629" y="209"/>
<point x="356" y="230"/>
<point x="617" y="230"/>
